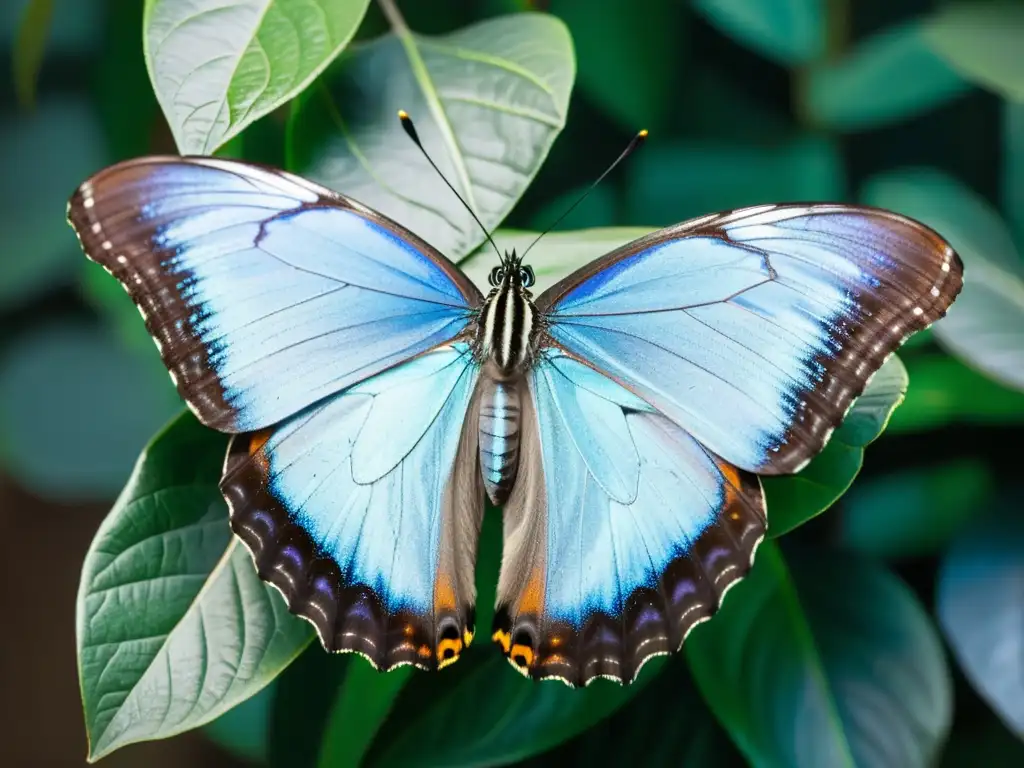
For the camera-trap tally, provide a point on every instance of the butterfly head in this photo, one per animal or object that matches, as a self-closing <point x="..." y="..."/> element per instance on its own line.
<point x="506" y="329"/>
<point x="512" y="272"/>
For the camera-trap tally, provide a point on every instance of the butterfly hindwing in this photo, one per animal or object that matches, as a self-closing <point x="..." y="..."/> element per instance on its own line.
<point x="264" y="292"/>
<point x="364" y="511"/>
<point x="754" y="330"/>
<point x="621" y="534"/>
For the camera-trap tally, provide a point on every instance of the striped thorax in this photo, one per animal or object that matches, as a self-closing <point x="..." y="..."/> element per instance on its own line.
<point x="508" y="318"/>
<point x="505" y="336"/>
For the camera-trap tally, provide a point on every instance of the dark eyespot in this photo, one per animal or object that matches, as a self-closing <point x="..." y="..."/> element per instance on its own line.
<point x="526" y="276"/>
<point x="496" y="276"/>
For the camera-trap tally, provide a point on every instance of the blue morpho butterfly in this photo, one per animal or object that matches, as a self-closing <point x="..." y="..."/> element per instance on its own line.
<point x="376" y="395"/>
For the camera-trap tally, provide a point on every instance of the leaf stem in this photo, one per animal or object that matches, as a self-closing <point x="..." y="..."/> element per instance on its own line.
<point x="394" y="16"/>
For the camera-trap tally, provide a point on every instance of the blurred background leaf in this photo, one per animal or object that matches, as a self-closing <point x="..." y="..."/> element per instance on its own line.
<point x="487" y="102"/>
<point x="29" y="47"/>
<point x="981" y="609"/>
<point x="635" y="79"/>
<point x="670" y="182"/>
<point x="1013" y="167"/>
<point x="982" y="40"/>
<point x="824" y="659"/>
<point x="985" y="327"/>
<point x="69" y="437"/>
<point x="216" y="68"/>
<point x="914" y="512"/>
<point x="785" y="31"/>
<point x="888" y="77"/>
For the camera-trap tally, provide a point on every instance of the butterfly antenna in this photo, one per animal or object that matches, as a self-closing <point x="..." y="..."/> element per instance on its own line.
<point x="634" y="143"/>
<point x="410" y="130"/>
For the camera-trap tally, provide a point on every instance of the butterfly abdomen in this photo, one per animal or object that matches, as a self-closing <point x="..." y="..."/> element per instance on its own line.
<point x="499" y="436"/>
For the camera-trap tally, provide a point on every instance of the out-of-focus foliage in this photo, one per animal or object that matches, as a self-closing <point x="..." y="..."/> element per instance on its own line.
<point x="830" y="652"/>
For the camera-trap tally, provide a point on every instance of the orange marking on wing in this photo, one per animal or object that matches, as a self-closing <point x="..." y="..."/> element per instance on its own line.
<point x="444" y="594"/>
<point x="504" y="639"/>
<point x="731" y="477"/>
<point x="424" y="651"/>
<point x="532" y="599"/>
<point x="522" y="655"/>
<point x="256" y="443"/>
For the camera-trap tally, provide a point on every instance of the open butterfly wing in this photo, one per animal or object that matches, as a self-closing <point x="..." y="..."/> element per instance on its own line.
<point x="365" y="509"/>
<point x="621" y="534"/>
<point x="754" y="330"/>
<point x="264" y="292"/>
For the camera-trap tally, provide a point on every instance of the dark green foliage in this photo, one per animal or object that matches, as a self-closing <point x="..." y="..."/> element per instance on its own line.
<point x="830" y="652"/>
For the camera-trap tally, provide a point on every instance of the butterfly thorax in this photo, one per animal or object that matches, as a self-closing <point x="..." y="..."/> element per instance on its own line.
<point x="505" y="335"/>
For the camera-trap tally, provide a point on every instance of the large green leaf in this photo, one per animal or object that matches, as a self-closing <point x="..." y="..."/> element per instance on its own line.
<point x="827" y="660"/>
<point x="672" y="182"/>
<point x="75" y="409"/>
<point x="487" y="102"/>
<point x="985" y="327"/>
<point x="982" y="40"/>
<point x="888" y="77"/>
<point x="46" y="154"/>
<point x="794" y="500"/>
<point x="914" y="512"/>
<point x="786" y="31"/>
<point x="981" y="609"/>
<point x="217" y="66"/>
<point x="667" y="724"/>
<point x="243" y="730"/>
<point x="944" y="391"/>
<point x="633" y="79"/>
<point x="174" y="626"/>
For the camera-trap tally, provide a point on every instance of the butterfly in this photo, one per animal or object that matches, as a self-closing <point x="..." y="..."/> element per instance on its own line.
<point x="375" y="396"/>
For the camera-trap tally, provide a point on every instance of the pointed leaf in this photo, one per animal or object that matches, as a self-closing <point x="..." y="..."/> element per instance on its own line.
<point x="174" y="626"/>
<point x="29" y="47"/>
<point x="981" y="609"/>
<point x="985" y="327"/>
<point x="1013" y="168"/>
<point x="889" y="77"/>
<point x="487" y="102"/>
<point x="982" y="40"/>
<point x="217" y="66"/>
<point x="794" y="500"/>
<point x="785" y="31"/>
<point x="826" y="660"/>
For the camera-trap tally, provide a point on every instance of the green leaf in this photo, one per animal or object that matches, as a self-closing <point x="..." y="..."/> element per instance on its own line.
<point x="982" y="41"/>
<point x="982" y="612"/>
<point x="826" y="660"/>
<point x="174" y="626"/>
<point x="889" y="77"/>
<point x="915" y="512"/>
<point x="242" y="731"/>
<point x="985" y="326"/>
<point x="75" y="407"/>
<point x="216" y="67"/>
<point x="944" y="391"/>
<point x="786" y="31"/>
<point x="1013" y="167"/>
<point x="47" y="153"/>
<point x="487" y="101"/>
<point x="669" y="183"/>
<point x="795" y="499"/>
<point x="29" y="47"/>
<point x="481" y="711"/>
<point x="555" y="256"/>
<point x="363" y="704"/>
<point x="633" y="79"/>
<point x="667" y="724"/>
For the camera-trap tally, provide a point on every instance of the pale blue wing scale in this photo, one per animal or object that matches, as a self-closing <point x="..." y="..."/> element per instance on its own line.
<point x="754" y="330"/>
<point x="370" y="531"/>
<point x="265" y="293"/>
<point x="596" y="580"/>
